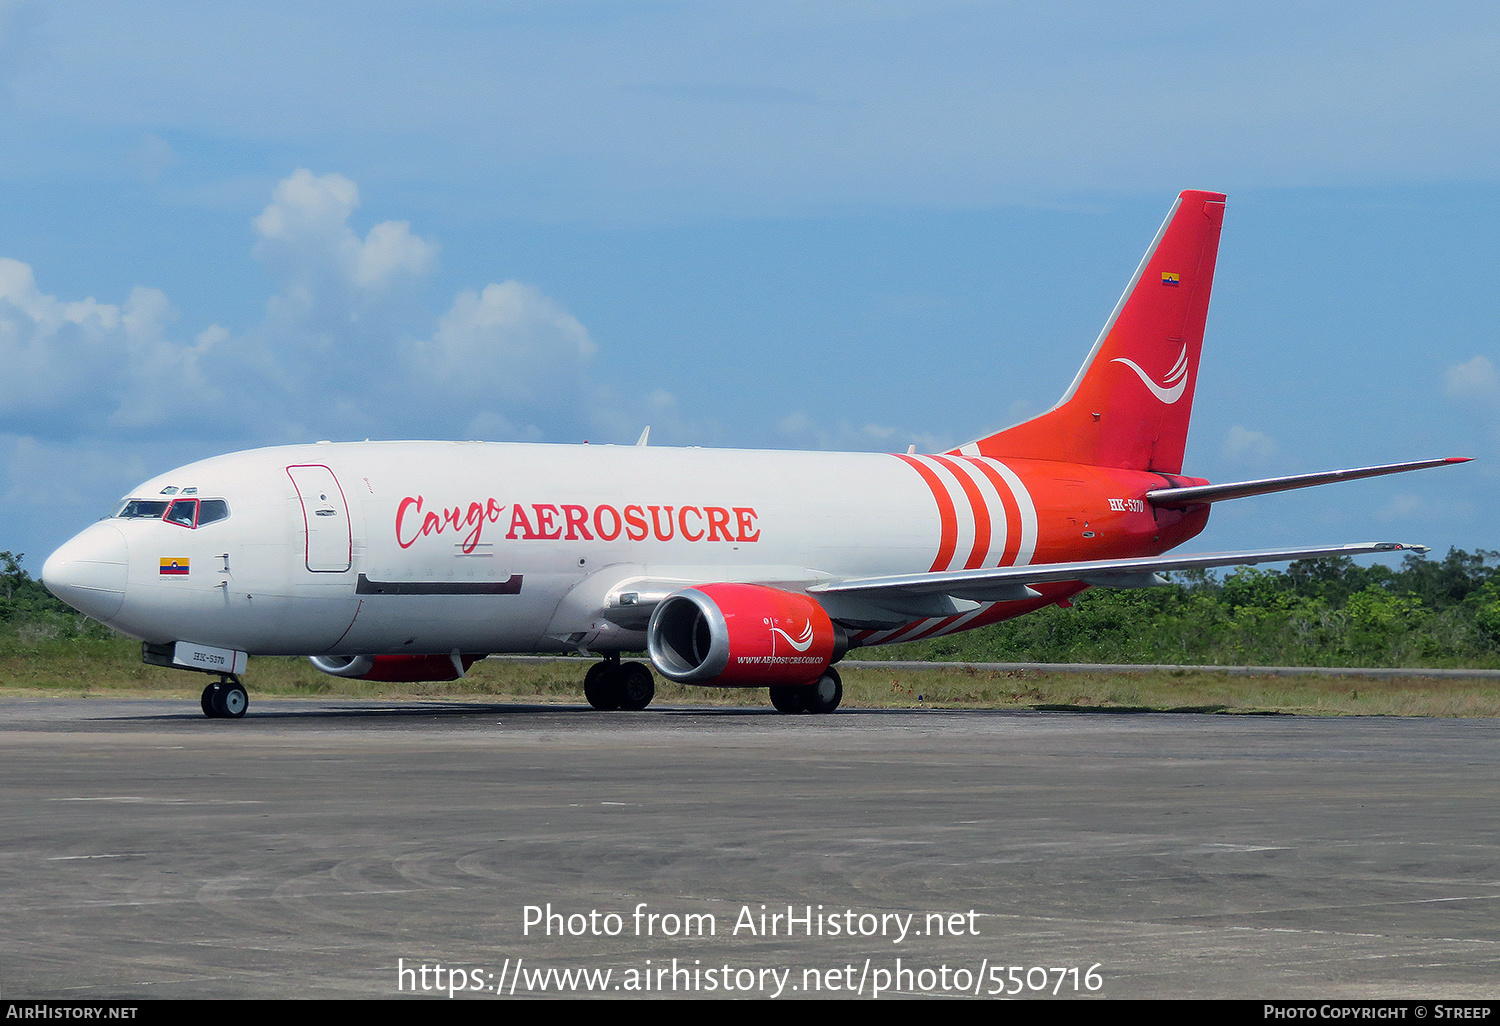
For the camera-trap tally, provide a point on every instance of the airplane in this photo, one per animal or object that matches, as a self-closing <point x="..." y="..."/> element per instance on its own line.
<point x="409" y="560"/>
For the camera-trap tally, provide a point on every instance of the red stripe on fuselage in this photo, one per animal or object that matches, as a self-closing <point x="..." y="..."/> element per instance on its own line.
<point x="948" y="540"/>
<point x="1012" y="510"/>
<point x="981" y="513"/>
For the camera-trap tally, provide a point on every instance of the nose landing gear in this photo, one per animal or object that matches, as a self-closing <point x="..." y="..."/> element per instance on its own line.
<point x="226" y="698"/>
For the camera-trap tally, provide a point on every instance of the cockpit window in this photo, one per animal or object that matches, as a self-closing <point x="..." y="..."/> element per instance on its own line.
<point x="183" y="513"/>
<point x="142" y="509"/>
<point x="189" y="513"/>
<point x="210" y="510"/>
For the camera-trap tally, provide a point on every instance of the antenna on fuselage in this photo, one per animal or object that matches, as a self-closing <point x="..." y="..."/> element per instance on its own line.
<point x="644" y="435"/>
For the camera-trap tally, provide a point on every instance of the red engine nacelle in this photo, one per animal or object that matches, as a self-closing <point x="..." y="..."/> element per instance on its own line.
<point x="744" y="635"/>
<point x="404" y="668"/>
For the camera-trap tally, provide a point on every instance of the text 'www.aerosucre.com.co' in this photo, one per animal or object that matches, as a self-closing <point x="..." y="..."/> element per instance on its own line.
<point x="694" y="971"/>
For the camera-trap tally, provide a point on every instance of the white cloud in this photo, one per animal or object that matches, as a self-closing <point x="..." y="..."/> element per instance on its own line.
<point x="72" y="365"/>
<point x="389" y="251"/>
<point x="158" y="374"/>
<point x="343" y="352"/>
<point x="1476" y="379"/>
<point x="41" y="337"/>
<point x="503" y="361"/>
<point x="306" y="240"/>
<point x="1248" y="446"/>
<point x="307" y="206"/>
<point x="507" y="342"/>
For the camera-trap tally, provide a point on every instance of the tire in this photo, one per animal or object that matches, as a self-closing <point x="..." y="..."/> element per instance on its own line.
<point x="230" y="700"/>
<point x="601" y="688"/>
<point x="826" y="694"/>
<point x="209" y="694"/>
<point x="635" y="686"/>
<point x="789" y="698"/>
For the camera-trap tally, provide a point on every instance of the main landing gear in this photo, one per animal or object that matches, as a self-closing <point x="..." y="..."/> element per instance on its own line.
<point x="822" y="697"/>
<point x="616" y="685"/>
<point x="226" y="698"/>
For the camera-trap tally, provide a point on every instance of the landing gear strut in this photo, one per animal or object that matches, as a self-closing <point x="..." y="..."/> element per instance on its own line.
<point x="612" y="684"/>
<point x="226" y="698"/>
<point x="821" y="697"/>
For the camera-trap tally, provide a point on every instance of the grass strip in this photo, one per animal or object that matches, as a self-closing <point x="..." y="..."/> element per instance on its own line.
<point x="112" y="668"/>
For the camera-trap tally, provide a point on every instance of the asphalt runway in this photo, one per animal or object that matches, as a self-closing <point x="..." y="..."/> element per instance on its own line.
<point x="349" y="849"/>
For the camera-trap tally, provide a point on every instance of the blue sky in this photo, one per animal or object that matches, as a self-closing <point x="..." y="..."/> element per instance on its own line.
<point x="746" y="224"/>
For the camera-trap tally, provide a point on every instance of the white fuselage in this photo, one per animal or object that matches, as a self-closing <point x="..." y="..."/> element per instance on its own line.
<point x="389" y="547"/>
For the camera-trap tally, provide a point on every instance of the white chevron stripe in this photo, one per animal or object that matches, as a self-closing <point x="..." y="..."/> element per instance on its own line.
<point x="963" y="513"/>
<point x="994" y="506"/>
<point x="1027" y="508"/>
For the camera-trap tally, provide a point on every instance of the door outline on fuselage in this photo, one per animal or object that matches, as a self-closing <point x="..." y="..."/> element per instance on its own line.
<point x="327" y="548"/>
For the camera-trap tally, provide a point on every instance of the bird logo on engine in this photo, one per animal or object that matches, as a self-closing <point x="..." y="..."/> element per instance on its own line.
<point x="802" y="642"/>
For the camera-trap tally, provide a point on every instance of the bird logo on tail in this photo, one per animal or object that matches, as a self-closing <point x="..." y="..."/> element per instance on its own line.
<point x="1172" y="386"/>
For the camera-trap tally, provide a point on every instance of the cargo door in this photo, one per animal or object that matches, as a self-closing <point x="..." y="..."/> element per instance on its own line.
<point x="325" y="515"/>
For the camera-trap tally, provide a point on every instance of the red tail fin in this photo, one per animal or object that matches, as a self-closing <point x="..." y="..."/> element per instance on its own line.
<point x="1130" y="404"/>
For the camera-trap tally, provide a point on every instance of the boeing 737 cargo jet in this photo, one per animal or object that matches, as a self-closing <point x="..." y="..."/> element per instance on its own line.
<point x="407" y="561"/>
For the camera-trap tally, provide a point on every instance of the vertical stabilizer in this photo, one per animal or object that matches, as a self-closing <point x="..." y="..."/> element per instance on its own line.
<point x="1130" y="403"/>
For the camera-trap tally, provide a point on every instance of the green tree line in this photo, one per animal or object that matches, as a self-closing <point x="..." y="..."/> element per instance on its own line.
<point x="28" y="610"/>
<point x="1317" y="612"/>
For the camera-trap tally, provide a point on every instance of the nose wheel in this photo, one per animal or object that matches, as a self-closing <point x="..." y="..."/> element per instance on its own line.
<point x="226" y="698"/>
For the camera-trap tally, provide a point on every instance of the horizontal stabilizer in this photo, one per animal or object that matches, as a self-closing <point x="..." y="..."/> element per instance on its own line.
<point x="1176" y="498"/>
<point x="1128" y="573"/>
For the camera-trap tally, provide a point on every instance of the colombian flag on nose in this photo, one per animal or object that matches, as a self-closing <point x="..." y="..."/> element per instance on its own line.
<point x="174" y="566"/>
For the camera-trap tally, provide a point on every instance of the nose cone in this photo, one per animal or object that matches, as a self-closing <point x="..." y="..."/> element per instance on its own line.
<point x="88" y="573"/>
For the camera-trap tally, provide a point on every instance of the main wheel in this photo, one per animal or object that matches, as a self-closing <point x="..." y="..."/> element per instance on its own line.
<point x="788" y="698"/>
<point x="230" y="700"/>
<point x="635" y="686"/>
<point x="208" y="701"/>
<point x="601" y="687"/>
<point x="826" y="694"/>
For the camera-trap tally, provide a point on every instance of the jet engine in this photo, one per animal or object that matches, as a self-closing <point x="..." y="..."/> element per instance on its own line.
<point x="745" y="635"/>
<point x="408" y="668"/>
